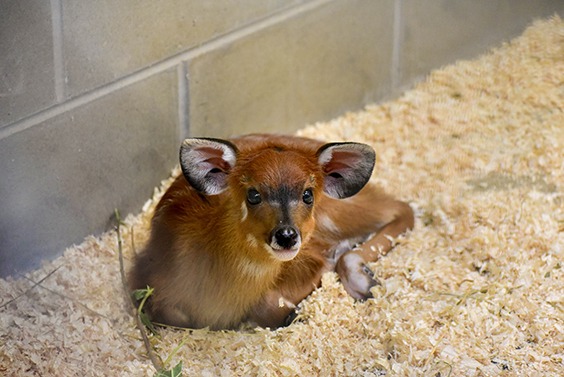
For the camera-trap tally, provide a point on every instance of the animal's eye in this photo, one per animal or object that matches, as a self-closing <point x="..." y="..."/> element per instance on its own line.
<point x="307" y="196"/>
<point x="253" y="197"/>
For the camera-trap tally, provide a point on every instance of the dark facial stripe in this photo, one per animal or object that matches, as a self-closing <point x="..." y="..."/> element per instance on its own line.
<point x="284" y="197"/>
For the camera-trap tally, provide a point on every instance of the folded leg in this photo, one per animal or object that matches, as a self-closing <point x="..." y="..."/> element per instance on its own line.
<point x="298" y="279"/>
<point x="363" y="227"/>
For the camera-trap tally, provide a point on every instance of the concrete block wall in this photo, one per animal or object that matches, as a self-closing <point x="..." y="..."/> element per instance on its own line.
<point x="95" y="96"/>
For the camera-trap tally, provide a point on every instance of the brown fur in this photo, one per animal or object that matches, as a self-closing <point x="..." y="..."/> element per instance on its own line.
<point x="207" y="256"/>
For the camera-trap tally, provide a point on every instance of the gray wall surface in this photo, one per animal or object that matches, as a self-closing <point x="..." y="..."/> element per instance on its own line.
<point x="95" y="96"/>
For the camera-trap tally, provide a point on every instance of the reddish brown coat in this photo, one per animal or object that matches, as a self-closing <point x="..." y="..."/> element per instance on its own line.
<point x="213" y="258"/>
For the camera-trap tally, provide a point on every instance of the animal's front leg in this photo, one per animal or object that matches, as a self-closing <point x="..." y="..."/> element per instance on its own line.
<point x="297" y="280"/>
<point x="273" y="310"/>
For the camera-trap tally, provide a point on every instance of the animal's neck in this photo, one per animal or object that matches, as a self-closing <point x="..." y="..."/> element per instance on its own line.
<point x="242" y="259"/>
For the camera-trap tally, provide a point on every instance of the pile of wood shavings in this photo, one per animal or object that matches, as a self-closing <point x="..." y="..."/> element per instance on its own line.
<point x="476" y="289"/>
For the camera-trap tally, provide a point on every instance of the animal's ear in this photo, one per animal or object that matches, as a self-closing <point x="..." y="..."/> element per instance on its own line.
<point x="347" y="167"/>
<point x="206" y="163"/>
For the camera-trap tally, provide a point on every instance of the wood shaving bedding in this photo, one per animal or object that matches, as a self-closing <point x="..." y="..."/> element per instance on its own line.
<point x="477" y="289"/>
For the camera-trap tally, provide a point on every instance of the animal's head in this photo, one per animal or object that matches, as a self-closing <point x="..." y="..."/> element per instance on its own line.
<point x="274" y="189"/>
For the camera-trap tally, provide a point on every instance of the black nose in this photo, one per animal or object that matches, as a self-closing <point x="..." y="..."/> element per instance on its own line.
<point x="286" y="237"/>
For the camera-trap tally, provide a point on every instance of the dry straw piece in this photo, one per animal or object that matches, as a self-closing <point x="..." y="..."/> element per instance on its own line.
<point x="477" y="289"/>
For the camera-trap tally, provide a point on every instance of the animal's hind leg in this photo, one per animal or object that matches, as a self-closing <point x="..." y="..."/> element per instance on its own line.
<point x="352" y="267"/>
<point x="371" y="219"/>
